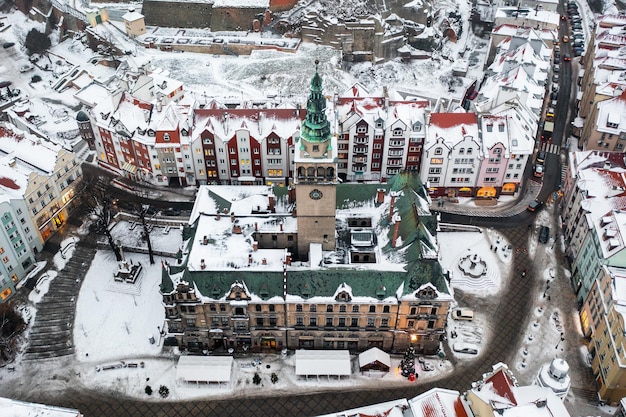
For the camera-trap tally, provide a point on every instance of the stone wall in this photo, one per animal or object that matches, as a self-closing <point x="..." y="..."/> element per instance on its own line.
<point x="177" y="14"/>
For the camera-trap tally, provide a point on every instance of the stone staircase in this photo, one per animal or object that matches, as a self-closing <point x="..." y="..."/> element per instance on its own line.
<point x="51" y="335"/>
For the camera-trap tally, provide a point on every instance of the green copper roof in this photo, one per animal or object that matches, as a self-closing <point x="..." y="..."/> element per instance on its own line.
<point x="324" y="283"/>
<point x="167" y="286"/>
<point x="217" y="284"/>
<point x="316" y="127"/>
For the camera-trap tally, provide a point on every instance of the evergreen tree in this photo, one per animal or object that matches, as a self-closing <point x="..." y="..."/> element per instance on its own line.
<point x="37" y="42"/>
<point x="407" y="365"/>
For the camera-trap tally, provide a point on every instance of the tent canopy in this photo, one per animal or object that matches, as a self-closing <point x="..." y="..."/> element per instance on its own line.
<point x="323" y="362"/>
<point x="204" y="368"/>
<point x="373" y="355"/>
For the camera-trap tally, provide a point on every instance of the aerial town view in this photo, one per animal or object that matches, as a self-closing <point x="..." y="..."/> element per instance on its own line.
<point x="312" y="208"/>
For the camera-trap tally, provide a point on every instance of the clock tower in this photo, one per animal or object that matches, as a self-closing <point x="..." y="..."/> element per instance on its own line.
<point x="315" y="174"/>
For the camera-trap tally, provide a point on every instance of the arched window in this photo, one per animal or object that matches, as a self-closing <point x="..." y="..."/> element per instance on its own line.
<point x="330" y="173"/>
<point x="320" y="172"/>
<point x="310" y="172"/>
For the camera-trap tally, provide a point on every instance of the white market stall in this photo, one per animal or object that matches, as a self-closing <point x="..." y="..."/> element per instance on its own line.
<point x="204" y="369"/>
<point x="329" y="363"/>
<point x="374" y="362"/>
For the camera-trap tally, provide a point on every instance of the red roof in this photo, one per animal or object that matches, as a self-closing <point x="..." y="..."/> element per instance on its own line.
<point x="502" y="385"/>
<point x="448" y="120"/>
<point x="9" y="183"/>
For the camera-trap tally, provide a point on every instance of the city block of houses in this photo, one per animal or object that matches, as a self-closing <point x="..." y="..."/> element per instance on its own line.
<point x="39" y="184"/>
<point x="150" y="129"/>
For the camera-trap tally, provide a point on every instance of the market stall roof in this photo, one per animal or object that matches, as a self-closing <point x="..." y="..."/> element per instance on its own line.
<point x="374" y="355"/>
<point x="204" y="368"/>
<point x="323" y="362"/>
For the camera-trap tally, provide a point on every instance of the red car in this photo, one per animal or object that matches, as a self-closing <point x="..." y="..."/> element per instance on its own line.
<point x="567" y="57"/>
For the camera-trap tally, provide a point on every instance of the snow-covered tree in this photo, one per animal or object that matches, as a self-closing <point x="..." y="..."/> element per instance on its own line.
<point x="407" y="365"/>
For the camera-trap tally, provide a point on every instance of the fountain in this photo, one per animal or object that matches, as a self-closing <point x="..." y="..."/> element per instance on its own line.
<point x="473" y="266"/>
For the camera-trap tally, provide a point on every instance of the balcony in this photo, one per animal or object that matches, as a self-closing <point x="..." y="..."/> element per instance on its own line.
<point x="396" y="143"/>
<point x="359" y="149"/>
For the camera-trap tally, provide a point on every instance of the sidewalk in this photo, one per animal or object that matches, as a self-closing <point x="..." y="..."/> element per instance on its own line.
<point x="506" y="206"/>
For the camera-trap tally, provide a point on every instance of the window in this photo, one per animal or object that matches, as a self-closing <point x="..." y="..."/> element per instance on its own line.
<point x="370" y="321"/>
<point x="384" y="322"/>
<point x="329" y="322"/>
<point x="313" y="308"/>
<point x="313" y="321"/>
<point x="329" y="308"/>
<point x="372" y="309"/>
<point x="438" y="151"/>
<point x="257" y="307"/>
<point x="272" y="308"/>
<point x="385" y="309"/>
<point x="410" y="324"/>
<point x="342" y="322"/>
<point x="354" y="322"/>
<point x="166" y="137"/>
<point x="299" y="308"/>
<point x="342" y="308"/>
<point x="355" y="309"/>
<point x="299" y="321"/>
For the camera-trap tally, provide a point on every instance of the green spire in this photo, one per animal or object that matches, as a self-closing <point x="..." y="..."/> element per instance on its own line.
<point x="166" y="286"/>
<point x="316" y="127"/>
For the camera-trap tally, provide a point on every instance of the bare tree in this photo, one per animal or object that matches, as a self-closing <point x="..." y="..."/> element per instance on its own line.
<point x="100" y="203"/>
<point x="11" y="326"/>
<point x="146" y="232"/>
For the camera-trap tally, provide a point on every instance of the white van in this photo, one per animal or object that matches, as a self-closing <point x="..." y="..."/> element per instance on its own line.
<point x="463" y="314"/>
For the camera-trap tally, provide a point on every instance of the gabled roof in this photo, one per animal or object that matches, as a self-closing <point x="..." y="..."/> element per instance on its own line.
<point x="438" y="402"/>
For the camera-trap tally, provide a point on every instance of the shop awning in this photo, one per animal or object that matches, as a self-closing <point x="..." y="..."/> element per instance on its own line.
<point x="129" y="167"/>
<point x="508" y="187"/>
<point x="465" y="189"/>
<point x="486" y="192"/>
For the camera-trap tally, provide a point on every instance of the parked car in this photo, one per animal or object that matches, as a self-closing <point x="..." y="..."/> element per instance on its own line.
<point x="465" y="348"/>
<point x="26" y="68"/>
<point x="555" y="78"/>
<point x="463" y="314"/>
<point x="534" y="206"/>
<point x="541" y="157"/>
<point x="539" y="170"/>
<point x="544" y="234"/>
<point x="151" y="211"/>
<point x="171" y="212"/>
<point x="556" y="68"/>
<point x="7" y="45"/>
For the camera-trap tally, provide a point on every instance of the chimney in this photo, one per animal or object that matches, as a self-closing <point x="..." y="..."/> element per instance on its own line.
<point x="272" y="203"/>
<point x="256" y="226"/>
<point x="218" y="215"/>
<point x="205" y="240"/>
<point x="288" y="259"/>
<point x="237" y="229"/>
<point x="281" y="226"/>
<point x="380" y="196"/>
<point x="264" y="261"/>
<point x="391" y="205"/>
<point x="249" y="258"/>
<point x="202" y="264"/>
<point x="255" y="245"/>
<point x="396" y="228"/>
<point x="232" y="217"/>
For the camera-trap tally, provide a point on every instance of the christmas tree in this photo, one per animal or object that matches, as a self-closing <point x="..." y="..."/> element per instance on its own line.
<point x="407" y="365"/>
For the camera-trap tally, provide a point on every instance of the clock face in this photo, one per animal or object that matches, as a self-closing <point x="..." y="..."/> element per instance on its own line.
<point x="315" y="194"/>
